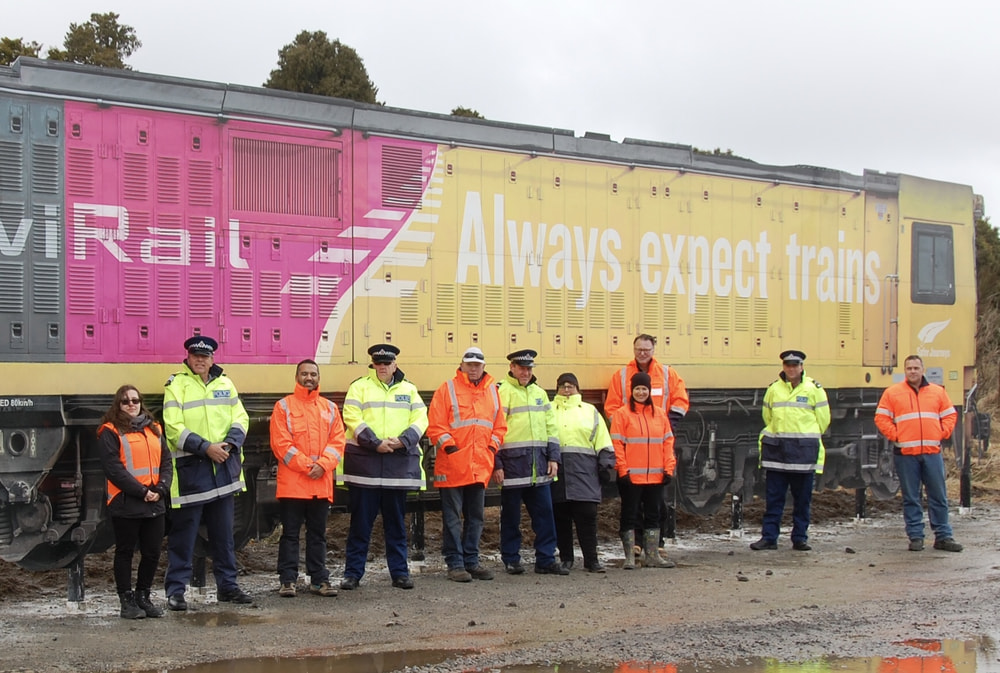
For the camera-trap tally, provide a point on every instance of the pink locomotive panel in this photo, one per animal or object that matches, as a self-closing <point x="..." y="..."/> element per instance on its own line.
<point x="252" y="233"/>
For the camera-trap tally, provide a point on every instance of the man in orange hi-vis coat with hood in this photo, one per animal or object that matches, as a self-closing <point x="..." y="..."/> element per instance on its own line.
<point x="466" y="427"/>
<point x="307" y="438"/>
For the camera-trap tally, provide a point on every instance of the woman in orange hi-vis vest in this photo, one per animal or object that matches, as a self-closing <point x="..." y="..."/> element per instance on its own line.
<point x="644" y="459"/>
<point x="139" y="471"/>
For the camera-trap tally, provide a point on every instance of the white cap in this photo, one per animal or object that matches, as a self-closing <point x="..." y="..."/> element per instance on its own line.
<point x="473" y="354"/>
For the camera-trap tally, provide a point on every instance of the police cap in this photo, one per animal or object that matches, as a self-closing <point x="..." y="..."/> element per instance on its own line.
<point x="793" y="357"/>
<point x="201" y="345"/>
<point x="525" y="358"/>
<point x="383" y="353"/>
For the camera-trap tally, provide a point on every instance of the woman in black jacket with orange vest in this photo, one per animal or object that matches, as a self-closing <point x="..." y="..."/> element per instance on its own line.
<point x="139" y="470"/>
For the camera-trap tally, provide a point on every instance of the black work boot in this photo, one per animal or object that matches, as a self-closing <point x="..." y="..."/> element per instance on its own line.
<point x="142" y="600"/>
<point x="129" y="609"/>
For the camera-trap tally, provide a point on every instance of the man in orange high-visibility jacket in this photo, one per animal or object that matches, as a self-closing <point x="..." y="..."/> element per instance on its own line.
<point x="307" y="438"/>
<point x="915" y="416"/>
<point x="668" y="390"/>
<point x="466" y="428"/>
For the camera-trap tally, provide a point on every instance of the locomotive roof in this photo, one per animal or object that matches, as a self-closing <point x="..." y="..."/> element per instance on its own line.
<point x="228" y="101"/>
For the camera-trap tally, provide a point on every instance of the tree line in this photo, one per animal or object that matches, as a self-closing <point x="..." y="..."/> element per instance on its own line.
<point x="312" y="63"/>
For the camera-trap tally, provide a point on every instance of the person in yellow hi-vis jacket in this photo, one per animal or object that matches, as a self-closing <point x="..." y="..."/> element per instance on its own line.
<point x="206" y="426"/>
<point x="796" y="414"/>
<point x="385" y="420"/>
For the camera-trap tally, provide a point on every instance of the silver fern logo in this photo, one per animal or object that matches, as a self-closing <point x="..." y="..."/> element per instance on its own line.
<point x="927" y="334"/>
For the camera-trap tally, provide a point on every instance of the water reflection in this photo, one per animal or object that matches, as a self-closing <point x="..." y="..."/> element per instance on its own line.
<point x="357" y="663"/>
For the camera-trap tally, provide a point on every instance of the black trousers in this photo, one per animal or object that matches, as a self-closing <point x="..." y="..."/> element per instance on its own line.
<point x="584" y="515"/>
<point x="632" y="495"/>
<point x="294" y="512"/>
<point x="147" y="535"/>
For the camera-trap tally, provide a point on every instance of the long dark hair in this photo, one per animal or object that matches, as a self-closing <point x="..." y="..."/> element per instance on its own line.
<point x="120" y="420"/>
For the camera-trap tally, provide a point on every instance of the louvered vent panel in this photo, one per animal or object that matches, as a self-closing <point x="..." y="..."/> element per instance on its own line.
<point x="300" y="297"/>
<point x="574" y="314"/>
<point x="597" y="310"/>
<point x="742" y="314"/>
<point x="844" y="319"/>
<point x="471" y="307"/>
<point x="652" y="313"/>
<point x="723" y="313"/>
<point x="168" y="180"/>
<point x="270" y="294"/>
<point x="554" y="304"/>
<point x="44" y="169"/>
<point x="241" y="292"/>
<point x="42" y="244"/>
<point x="760" y="321"/>
<point x="402" y="177"/>
<point x="409" y="308"/>
<point x="702" y="313"/>
<point x="135" y="176"/>
<point x="201" y="294"/>
<point x="168" y="293"/>
<point x="12" y="287"/>
<point x="45" y="286"/>
<point x="669" y="315"/>
<point x="11" y="166"/>
<point x="616" y="310"/>
<point x="285" y="178"/>
<point x="81" y="290"/>
<point x="327" y="286"/>
<point x="11" y="215"/>
<point x="493" y="299"/>
<point x="202" y="249"/>
<point x="136" y="291"/>
<point x="515" y="307"/>
<point x="445" y="304"/>
<point x="200" y="183"/>
<point x="80" y="171"/>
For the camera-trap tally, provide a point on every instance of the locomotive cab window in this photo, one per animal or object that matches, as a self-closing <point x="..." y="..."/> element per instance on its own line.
<point x="932" y="265"/>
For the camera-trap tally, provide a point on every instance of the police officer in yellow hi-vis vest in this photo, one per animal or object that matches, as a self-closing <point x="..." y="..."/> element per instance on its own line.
<point x="796" y="414"/>
<point x="206" y="425"/>
<point x="385" y="419"/>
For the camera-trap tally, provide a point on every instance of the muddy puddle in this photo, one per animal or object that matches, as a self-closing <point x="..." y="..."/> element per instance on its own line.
<point x="937" y="656"/>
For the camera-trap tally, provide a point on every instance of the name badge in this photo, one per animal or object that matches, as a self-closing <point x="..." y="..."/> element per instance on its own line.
<point x="403" y="398"/>
<point x="656" y="391"/>
<point x="221" y="393"/>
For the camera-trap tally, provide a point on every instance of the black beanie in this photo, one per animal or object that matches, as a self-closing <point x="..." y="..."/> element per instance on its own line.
<point x="641" y="379"/>
<point x="568" y="377"/>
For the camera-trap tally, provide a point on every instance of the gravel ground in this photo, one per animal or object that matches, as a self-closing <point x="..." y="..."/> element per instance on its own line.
<point x="859" y="593"/>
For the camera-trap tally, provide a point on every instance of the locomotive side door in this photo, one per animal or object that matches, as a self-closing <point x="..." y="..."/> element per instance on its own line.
<point x="881" y="286"/>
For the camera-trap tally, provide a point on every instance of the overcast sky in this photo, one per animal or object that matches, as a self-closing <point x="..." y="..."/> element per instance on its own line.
<point x="908" y="86"/>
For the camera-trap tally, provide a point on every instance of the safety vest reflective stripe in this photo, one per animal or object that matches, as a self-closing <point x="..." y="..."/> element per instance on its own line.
<point x="919" y="442"/>
<point x="799" y="405"/>
<point x="917" y="415"/>
<point x="527" y="409"/>
<point x="445" y="438"/>
<point x="645" y="470"/>
<point x="206" y="496"/>
<point x="792" y="435"/>
<point x="586" y="450"/>
<point x="382" y="482"/>
<point x="642" y="440"/>
<point x="790" y="467"/>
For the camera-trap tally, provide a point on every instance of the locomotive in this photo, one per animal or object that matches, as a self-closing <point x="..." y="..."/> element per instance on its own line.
<point x="140" y="209"/>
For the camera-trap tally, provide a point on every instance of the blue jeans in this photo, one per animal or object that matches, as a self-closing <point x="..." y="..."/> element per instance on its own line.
<point x="777" y="486"/>
<point x="538" y="501"/>
<point x="294" y="512"/>
<point x="926" y="469"/>
<point x="366" y="504"/>
<point x="462" y="519"/>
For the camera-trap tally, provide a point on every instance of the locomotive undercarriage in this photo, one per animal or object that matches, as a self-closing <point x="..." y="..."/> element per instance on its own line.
<point x="52" y="488"/>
